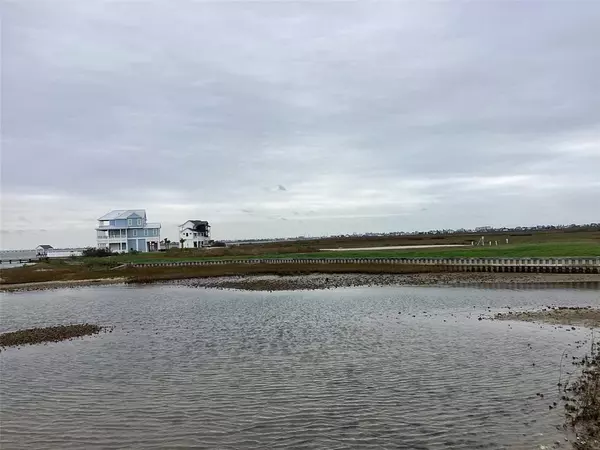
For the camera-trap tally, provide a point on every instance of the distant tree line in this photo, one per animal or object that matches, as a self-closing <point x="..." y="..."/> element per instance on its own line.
<point x="447" y="231"/>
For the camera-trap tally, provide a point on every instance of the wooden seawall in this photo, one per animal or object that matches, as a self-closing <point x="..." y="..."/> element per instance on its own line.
<point x="537" y="265"/>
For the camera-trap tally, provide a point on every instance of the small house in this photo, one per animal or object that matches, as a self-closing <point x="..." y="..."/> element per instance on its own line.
<point x="194" y="234"/>
<point x="42" y="250"/>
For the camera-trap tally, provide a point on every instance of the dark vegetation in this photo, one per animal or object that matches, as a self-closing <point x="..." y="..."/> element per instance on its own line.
<point x="96" y="252"/>
<point x="582" y="402"/>
<point x="48" y="334"/>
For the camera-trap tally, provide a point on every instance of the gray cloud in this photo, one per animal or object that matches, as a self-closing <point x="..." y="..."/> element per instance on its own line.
<point x="374" y="117"/>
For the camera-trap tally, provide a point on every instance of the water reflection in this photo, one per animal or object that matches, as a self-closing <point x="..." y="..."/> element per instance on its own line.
<point x="350" y="368"/>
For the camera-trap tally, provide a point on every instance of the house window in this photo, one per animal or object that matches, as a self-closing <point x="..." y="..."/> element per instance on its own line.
<point x="135" y="232"/>
<point x="145" y="232"/>
<point x="156" y="232"/>
<point x="129" y="222"/>
<point x="139" y="222"/>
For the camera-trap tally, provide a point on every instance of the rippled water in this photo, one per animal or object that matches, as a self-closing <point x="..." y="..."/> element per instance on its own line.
<point x="325" y="369"/>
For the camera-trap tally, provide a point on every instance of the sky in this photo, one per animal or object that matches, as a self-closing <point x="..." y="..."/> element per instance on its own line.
<point x="273" y="119"/>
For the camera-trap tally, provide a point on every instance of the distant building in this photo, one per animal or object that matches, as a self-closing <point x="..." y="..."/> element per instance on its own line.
<point x="195" y="233"/>
<point x="42" y="250"/>
<point x="126" y="230"/>
<point x="47" y="251"/>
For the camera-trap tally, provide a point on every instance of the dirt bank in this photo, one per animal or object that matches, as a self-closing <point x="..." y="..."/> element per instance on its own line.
<point x="309" y="281"/>
<point x="327" y="281"/>
<point x="561" y="315"/>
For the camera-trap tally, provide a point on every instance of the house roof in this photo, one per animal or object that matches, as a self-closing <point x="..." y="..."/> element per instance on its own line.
<point x="195" y="222"/>
<point x="45" y="246"/>
<point x="193" y="230"/>
<point x="123" y="214"/>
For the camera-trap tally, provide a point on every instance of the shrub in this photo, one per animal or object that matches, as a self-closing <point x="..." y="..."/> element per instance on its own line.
<point x="96" y="252"/>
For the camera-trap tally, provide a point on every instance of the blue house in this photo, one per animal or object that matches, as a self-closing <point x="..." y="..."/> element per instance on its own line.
<point x="125" y="230"/>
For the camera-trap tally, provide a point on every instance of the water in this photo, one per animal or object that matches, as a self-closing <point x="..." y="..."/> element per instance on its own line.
<point x="12" y="255"/>
<point x="6" y="255"/>
<point x="17" y="254"/>
<point x="322" y="369"/>
<point x="13" y="265"/>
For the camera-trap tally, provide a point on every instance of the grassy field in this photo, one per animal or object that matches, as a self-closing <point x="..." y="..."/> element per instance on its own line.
<point x="544" y="244"/>
<point x="532" y="244"/>
<point x="544" y="249"/>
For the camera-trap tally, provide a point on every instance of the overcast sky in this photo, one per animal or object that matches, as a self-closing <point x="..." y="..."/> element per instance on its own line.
<point x="282" y="119"/>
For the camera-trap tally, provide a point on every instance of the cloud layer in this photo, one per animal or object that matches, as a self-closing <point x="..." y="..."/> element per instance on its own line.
<point x="275" y="119"/>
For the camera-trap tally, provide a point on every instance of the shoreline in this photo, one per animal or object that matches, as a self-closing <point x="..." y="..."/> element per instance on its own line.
<point x="317" y="281"/>
<point x="57" y="284"/>
<point x="580" y="398"/>
<point x="320" y="281"/>
<point x="557" y="315"/>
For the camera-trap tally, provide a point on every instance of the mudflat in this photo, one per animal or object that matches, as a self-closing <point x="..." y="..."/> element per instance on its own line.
<point x="328" y="281"/>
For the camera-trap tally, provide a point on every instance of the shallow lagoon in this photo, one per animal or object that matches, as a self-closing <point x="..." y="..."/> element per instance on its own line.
<point x="343" y="368"/>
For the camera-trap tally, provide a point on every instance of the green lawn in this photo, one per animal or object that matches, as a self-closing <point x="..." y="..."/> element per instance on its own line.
<point x="550" y="249"/>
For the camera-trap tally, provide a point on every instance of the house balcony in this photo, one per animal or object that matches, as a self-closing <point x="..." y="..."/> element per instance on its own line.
<point x="112" y="238"/>
<point x="129" y="227"/>
<point x="124" y="238"/>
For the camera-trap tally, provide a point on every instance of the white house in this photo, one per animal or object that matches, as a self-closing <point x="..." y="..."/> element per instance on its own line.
<point x="42" y="250"/>
<point x="127" y="230"/>
<point x="194" y="233"/>
<point x="47" y="251"/>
